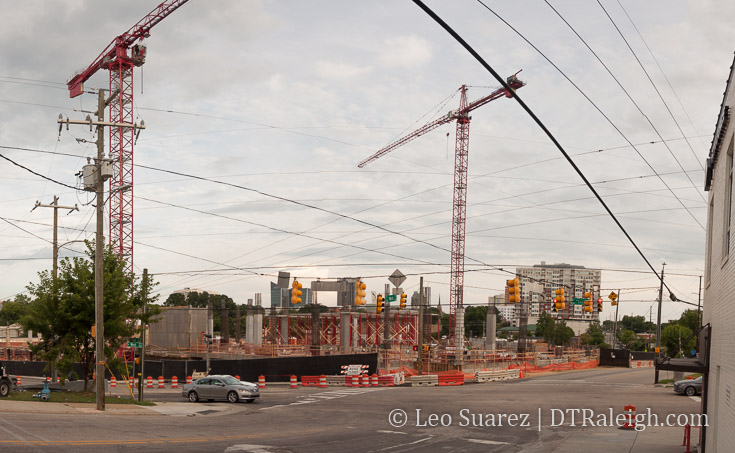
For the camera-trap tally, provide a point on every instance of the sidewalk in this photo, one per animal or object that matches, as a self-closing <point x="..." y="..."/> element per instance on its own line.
<point x="7" y="406"/>
<point x="655" y="439"/>
<point x="175" y="409"/>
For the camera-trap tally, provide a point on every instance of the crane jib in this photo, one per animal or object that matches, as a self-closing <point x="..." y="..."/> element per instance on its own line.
<point x="457" y="114"/>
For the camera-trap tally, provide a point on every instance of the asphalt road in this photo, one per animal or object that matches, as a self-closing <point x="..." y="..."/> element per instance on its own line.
<point x="532" y="414"/>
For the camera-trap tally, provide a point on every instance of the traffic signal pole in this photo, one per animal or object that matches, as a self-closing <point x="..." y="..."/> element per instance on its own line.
<point x="615" y="326"/>
<point x="420" y="339"/>
<point x="658" y="323"/>
<point x="142" y="336"/>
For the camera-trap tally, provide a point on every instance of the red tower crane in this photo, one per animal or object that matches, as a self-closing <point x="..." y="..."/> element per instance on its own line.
<point x="119" y="57"/>
<point x="462" y="146"/>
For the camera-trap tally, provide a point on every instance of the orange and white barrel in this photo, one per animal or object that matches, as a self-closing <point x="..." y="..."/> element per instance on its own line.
<point x="261" y="381"/>
<point x="629" y="412"/>
<point x="323" y="381"/>
<point x="174" y="382"/>
<point x="161" y="384"/>
<point x="188" y="379"/>
<point x="374" y="380"/>
<point x="149" y="382"/>
<point x="294" y="382"/>
<point x="113" y="382"/>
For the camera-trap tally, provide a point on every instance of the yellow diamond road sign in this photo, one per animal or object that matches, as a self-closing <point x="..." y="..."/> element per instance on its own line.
<point x="612" y="296"/>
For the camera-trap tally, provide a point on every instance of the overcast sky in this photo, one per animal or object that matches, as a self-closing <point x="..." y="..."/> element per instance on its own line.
<point x="286" y="98"/>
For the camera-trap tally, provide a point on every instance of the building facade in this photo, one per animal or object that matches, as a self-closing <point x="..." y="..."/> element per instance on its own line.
<point x="281" y="297"/>
<point x="719" y="282"/>
<point x="540" y="282"/>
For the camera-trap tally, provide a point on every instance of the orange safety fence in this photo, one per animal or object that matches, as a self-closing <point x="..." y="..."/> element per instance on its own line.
<point x="414" y="372"/>
<point x="528" y="367"/>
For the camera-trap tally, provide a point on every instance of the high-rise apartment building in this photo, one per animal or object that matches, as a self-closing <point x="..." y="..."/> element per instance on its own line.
<point x="540" y="282"/>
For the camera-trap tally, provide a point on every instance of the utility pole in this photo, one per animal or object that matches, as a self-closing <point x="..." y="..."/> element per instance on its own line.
<point x="56" y="207"/>
<point x="143" y="327"/>
<point x="658" y="323"/>
<point x="99" y="318"/>
<point x="420" y="340"/>
<point x="615" y="328"/>
<point x="55" y="265"/>
<point x="94" y="181"/>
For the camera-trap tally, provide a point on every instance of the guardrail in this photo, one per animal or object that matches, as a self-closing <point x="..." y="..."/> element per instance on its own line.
<point x="429" y="380"/>
<point x="451" y="379"/>
<point x="336" y="380"/>
<point x="310" y="381"/>
<point x="498" y="375"/>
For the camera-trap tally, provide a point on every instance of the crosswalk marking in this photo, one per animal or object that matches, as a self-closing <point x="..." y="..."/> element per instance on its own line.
<point x="325" y="396"/>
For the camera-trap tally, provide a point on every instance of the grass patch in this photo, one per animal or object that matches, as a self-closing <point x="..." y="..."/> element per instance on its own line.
<point x="665" y="381"/>
<point x="75" y="397"/>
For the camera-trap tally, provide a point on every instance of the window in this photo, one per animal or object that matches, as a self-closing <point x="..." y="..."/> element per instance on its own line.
<point x="728" y="206"/>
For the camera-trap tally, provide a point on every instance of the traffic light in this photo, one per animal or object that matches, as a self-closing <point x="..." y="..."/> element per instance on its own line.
<point x="403" y="300"/>
<point x="559" y="300"/>
<point x="426" y="348"/>
<point x="588" y="302"/>
<point x="599" y="304"/>
<point x="514" y="291"/>
<point x="360" y="292"/>
<point x="296" y="292"/>
<point x="415" y="348"/>
<point x="379" y="306"/>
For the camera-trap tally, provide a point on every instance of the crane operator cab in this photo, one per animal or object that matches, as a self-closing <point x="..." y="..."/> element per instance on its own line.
<point x="138" y="54"/>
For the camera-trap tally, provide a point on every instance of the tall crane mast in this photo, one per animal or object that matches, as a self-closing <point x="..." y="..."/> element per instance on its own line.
<point x="120" y="57"/>
<point x="461" y="150"/>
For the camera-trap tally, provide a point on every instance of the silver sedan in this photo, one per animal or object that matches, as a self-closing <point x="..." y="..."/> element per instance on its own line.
<point x="220" y="387"/>
<point x="689" y="387"/>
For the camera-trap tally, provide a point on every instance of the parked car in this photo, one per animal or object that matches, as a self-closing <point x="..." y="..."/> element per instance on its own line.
<point x="689" y="387"/>
<point x="220" y="387"/>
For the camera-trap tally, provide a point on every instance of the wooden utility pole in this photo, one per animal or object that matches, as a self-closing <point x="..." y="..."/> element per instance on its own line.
<point x="100" y="174"/>
<point x="56" y="207"/>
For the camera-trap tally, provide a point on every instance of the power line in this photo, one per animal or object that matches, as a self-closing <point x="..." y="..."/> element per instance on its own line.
<point x="24" y="230"/>
<point x="665" y="78"/>
<point x="592" y="103"/>
<point x="626" y="91"/>
<point x="525" y="107"/>
<point x="36" y="173"/>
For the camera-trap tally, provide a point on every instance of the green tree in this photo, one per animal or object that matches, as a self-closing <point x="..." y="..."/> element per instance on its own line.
<point x="14" y="310"/>
<point x="673" y="339"/>
<point x="690" y="319"/>
<point x="637" y="324"/>
<point x="175" y="300"/>
<point x="594" y="335"/>
<point x="474" y="321"/>
<point x="562" y="334"/>
<point x="63" y="314"/>
<point x="545" y="326"/>
<point x="630" y="340"/>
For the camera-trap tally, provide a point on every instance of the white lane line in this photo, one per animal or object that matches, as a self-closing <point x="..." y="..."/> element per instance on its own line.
<point x="696" y="398"/>
<point x="404" y="445"/>
<point x="389" y="432"/>
<point x="486" y="442"/>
